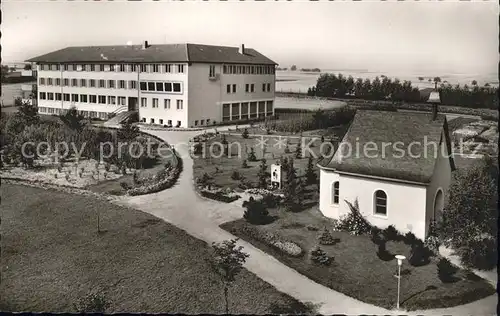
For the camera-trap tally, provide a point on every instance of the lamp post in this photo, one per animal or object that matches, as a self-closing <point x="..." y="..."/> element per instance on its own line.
<point x="400" y="262"/>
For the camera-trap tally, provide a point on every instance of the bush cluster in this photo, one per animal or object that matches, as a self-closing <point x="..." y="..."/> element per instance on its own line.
<point x="392" y="234"/>
<point x="481" y="254"/>
<point x="446" y="270"/>
<point x="256" y="212"/>
<point x="354" y="222"/>
<point x="419" y="254"/>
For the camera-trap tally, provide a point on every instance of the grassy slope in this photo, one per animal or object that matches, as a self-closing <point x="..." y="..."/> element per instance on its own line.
<point x="52" y="255"/>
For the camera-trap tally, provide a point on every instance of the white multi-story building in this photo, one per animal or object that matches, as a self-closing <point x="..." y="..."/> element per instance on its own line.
<point x="185" y="85"/>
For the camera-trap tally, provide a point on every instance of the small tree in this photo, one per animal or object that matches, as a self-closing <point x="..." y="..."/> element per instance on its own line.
<point x="290" y="187"/>
<point x="446" y="270"/>
<point x="236" y="175"/>
<point x="298" y="150"/>
<point x="326" y="238"/>
<point x="251" y="155"/>
<point x="92" y="303"/>
<point x="245" y="133"/>
<point x="28" y="112"/>
<point x="300" y="192"/>
<point x="244" y="164"/>
<point x="472" y="211"/>
<point x="128" y="132"/>
<point x="262" y="175"/>
<point x="311" y="177"/>
<point x="287" y="149"/>
<point x="74" y="120"/>
<point x="256" y="212"/>
<point x="227" y="262"/>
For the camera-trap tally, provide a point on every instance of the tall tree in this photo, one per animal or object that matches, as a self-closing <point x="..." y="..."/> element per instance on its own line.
<point x="311" y="177"/>
<point x="263" y="174"/>
<point x="74" y="120"/>
<point x="472" y="209"/>
<point x="227" y="262"/>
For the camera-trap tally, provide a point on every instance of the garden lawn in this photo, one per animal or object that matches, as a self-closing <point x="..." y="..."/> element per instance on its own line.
<point x="226" y="165"/>
<point x="357" y="271"/>
<point x="52" y="256"/>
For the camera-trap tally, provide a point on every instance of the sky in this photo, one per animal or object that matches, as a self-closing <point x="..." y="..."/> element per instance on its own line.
<point x="443" y="36"/>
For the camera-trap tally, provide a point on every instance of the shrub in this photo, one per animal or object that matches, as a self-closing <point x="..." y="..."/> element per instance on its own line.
<point x="245" y="133"/>
<point x="326" y="238"/>
<point x="354" y="222"/>
<point x="375" y="231"/>
<point x="481" y="254"/>
<point x="236" y="175"/>
<point x="432" y="243"/>
<point x="312" y="228"/>
<point x="256" y="212"/>
<point x="318" y="256"/>
<point x="271" y="200"/>
<point x="124" y="185"/>
<point x="419" y="254"/>
<point x="251" y="155"/>
<point x="198" y="148"/>
<point x="244" y="164"/>
<point x="391" y="234"/>
<point x="287" y="149"/>
<point x="205" y="179"/>
<point x="410" y="239"/>
<point x="376" y="238"/>
<point x="446" y="270"/>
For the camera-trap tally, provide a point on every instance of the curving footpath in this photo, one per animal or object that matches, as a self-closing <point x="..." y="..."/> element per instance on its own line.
<point x="184" y="208"/>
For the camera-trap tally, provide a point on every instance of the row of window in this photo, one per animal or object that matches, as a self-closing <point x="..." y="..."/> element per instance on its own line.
<point x="113" y="84"/>
<point x="152" y="68"/>
<point x="83" y="98"/>
<point x="154" y="86"/>
<point x="59" y="111"/>
<point x="103" y="99"/>
<point x="166" y="103"/>
<point x="266" y="87"/>
<point x="246" y="110"/>
<point x="379" y="199"/>
<point x="247" y="69"/>
<point x="161" y="122"/>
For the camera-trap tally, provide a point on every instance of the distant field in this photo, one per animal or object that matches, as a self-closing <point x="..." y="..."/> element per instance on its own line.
<point x="306" y="104"/>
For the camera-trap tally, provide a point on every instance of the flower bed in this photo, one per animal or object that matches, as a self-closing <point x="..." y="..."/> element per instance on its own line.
<point x="160" y="185"/>
<point x="219" y="195"/>
<point x="275" y="241"/>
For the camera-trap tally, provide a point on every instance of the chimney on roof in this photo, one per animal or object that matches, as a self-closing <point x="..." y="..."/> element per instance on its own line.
<point x="145" y="44"/>
<point x="241" y="49"/>
<point x="434" y="99"/>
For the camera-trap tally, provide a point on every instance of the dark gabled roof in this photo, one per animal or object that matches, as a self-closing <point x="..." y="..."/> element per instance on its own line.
<point x="155" y="54"/>
<point x="381" y="127"/>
